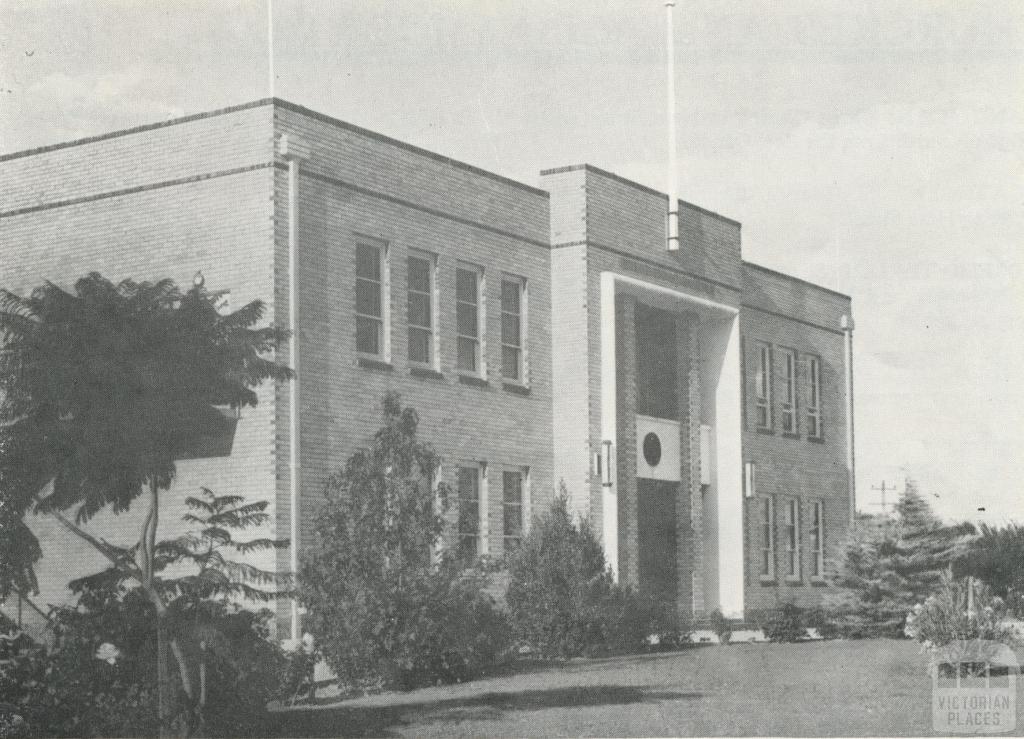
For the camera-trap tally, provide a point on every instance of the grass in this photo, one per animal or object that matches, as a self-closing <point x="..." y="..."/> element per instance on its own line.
<point x="838" y="688"/>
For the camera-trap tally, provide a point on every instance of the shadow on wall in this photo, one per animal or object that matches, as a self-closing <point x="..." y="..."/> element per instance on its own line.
<point x="377" y="720"/>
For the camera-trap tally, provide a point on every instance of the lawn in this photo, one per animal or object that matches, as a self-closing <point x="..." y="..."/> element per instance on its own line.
<point x="864" y="688"/>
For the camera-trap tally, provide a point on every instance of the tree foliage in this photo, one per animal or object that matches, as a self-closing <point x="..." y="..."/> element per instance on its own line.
<point x="886" y="567"/>
<point x="996" y="556"/>
<point x="385" y="604"/>
<point x="561" y="597"/>
<point x="103" y="389"/>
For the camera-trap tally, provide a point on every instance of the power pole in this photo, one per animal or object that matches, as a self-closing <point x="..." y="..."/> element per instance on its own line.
<point x="883" y="489"/>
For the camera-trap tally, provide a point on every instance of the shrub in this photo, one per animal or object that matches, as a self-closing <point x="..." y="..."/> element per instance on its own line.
<point x="786" y="624"/>
<point x="944" y="617"/>
<point x="721" y="626"/>
<point x="824" y="621"/>
<point x="99" y="679"/>
<point x="561" y="598"/>
<point x="384" y="606"/>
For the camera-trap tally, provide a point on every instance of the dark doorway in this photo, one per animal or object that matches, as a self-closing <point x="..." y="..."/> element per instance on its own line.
<point x="656" y="534"/>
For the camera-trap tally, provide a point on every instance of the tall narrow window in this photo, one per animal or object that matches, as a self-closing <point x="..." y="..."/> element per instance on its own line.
<point x="813" y="397"/>
<point x="370" y="299"/>
<point x="767" y="537"/>
<point x="789" y="392"/>
<point x="512" y="504"/>
<point x="792" y="538"/>
<point x="468" y="484"/>
<point x="421" y="309"/>
<point x="817" y="540"/>
<point x="513" y="301"/>
<point x="763" y="386"/>
<point x="468" y="320"/>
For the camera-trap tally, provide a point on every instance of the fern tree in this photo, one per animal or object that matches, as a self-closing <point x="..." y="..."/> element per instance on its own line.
<point x="101" y="390"/>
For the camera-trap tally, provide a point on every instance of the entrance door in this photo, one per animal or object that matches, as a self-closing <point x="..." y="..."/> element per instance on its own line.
<point x="656" y="532"/>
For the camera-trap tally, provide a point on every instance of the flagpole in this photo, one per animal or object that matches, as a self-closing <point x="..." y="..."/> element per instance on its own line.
<point x="673" y="187"/>
<point x="270" y="44"/>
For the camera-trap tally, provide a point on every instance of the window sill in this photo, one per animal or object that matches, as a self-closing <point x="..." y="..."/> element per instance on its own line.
<point x="768" y="580"/>
<point x="377" y="364"/>
<point x="517" y="388"/>
<point x="790" y="435"/>
<point x="767" y="432"/>
<point x="818" y="582"/>
<point x="474" y="380"/>
<point x="426" y="372"/>
<point x="816" y="439"/>
<point x="791" y="580"/>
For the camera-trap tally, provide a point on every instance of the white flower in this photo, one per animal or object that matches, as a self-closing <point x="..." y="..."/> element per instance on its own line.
<point x="108" y="653"/>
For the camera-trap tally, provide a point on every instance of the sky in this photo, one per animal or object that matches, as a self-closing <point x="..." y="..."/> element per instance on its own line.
<point x="873" y="147"/>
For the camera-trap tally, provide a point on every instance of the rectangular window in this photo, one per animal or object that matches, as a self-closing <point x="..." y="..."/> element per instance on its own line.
<point x="370" y="314"/>
<point x="513" y="304"/>
<point x="817" y="533"/>
<point x="767" y="506"/>
<point x="468" y="490"/>
<point x="421" y="309"/>
<point x="468" y="319"/>
<point x="792" y="538"/>
<point x="763" y="386"/>
<point x="814" y="397"/>
<point x="513" y="509"/>
<point x="789" y="392"/>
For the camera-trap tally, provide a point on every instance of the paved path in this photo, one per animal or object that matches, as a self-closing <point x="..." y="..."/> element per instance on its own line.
<point x="865" y="688"/>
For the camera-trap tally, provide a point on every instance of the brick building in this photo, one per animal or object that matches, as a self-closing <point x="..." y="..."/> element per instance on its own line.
<point x="694" y="405"/>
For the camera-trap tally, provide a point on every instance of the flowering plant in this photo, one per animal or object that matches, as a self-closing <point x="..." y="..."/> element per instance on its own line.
<point x="949" y="615"/>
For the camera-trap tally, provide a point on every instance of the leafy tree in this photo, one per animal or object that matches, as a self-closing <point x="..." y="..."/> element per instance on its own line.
<point x="102" y="391"/>
<point x="385" y="605"/>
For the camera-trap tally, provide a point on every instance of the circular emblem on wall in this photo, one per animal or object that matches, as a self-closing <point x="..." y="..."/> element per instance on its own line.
<point x="652" y="449"/>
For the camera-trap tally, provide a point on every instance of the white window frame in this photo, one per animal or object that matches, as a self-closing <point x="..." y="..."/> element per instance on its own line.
<point x="524" y="478"/>
<point x="523" y="364"/>
<point x="384" y="320"/>
<point x="817" y="534"/>
<point x="814" y="396"/>
<point x="763" y="386"/>
<point x="480" y="471"/>
<point x="481" y="322"/>
<point x="789" y="390"/>
<point x="766" y="525"/>
<point x="792" y="526"/>
<point x="434" y="341"/>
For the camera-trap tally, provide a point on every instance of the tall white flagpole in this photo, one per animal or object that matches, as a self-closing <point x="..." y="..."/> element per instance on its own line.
<point x="270" y="44"/>
<point x="673" y="186"/>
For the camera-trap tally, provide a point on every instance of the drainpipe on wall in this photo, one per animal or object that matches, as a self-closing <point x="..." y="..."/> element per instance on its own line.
<point x="846" y="322"/>
<point x="293" y="150"/>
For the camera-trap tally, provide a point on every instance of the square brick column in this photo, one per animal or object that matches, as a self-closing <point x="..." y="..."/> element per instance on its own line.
<point x="625" y="433"/>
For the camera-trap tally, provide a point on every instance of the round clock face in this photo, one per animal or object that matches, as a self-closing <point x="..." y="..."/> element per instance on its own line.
<point x="652" y="449"/>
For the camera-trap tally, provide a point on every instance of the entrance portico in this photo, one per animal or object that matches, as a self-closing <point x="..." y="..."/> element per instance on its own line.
<point x="672" y="500"/>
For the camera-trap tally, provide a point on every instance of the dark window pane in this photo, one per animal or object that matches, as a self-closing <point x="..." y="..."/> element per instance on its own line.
<point x="465" y="285"/>
<point x="512" y="487"/>
<point x="419" y="275"/>
<point x="510" y="329"/>
<point x="368" y="335"/>
<point x="368" y="262"/>
<point x="466" y="319"/>
<point x="368" y="298"/>
<point x="510" y="292"/>
<point x="419" y="345"/>
<point x="510" y="362"/>
<point x="419" y="310"/>
<point x="467" y="354"/>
